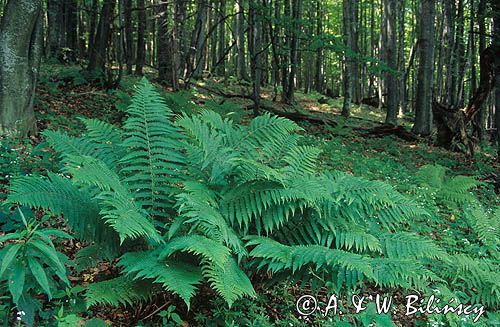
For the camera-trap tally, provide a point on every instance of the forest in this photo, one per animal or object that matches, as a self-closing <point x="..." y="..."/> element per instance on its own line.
<point x="249" y="163"/>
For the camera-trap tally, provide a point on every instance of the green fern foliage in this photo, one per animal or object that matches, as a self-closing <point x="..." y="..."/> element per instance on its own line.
<point x="153" y="158"/>
<point x="200" y="199"/>
<point x="177" y="277"/>
<point x="449" y="190"/>
<point x="59" y="195"/>
<point x="122" y="290"/>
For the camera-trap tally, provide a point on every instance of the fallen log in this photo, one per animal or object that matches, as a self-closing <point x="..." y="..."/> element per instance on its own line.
<point x="399" y="131"/>
<point x="298" y="116"/>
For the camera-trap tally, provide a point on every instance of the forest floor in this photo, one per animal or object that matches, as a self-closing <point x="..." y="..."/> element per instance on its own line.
<point x="64" y="95"/>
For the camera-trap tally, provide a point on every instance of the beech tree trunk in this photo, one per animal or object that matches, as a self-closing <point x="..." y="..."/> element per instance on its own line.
<point x="129" y="36"/>
<point x="240" y="41"/>
<point x="141" y="34"/>
<point x="392" y="85"/>
<point x="101" y="41"/>
<point x="319" y="78"/>
<point x="423" y="109"/>
<point x="346" y="76"/>
<point x="20" y="53"/>
<point x="55" y="15"/>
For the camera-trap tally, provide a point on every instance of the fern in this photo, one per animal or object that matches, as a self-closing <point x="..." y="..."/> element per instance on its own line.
<point x="186" y="195"/>
<point x="122" y="290"/>
<point x="454" y="191"/>
<point x="153" y="161"/>
<point x="408" y="245"/>
<point x="119" y="209"/>
<point x="61" y="196"/>
<point x="177" y="277"/>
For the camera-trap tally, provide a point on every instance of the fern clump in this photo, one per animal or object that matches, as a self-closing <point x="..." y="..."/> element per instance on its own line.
<point x="197" y="199"/>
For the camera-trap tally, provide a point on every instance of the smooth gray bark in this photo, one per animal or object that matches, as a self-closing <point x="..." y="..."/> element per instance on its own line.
<point x="240" y="41"/>
<point x="391" y="117"/>
<point x="346" y="76"/>
<point x="423" y="108"/>
<point x="20" y="53"/>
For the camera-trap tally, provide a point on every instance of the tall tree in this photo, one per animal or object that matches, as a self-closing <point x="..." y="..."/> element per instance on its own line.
<point x="129" y="35"/>
<point x="423" y="108"/>
<point x="98" y="53"/>
<point x="496" y="46"/>
<point x="391" y="117"/>
<point x="240" y="40"/>
<point x="319" y="77"/>
<point x="348" y="41"/>
<point x="141" y="35"/>
<point x="293" y="10"/>
<point x="55" y="15"/>
<point x="20" y="53"/>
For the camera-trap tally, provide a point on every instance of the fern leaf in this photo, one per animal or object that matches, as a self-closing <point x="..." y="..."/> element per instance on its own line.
<point x="177" y="277"/>
<point x="122" y="290"/>
<point x="154" y="160"/>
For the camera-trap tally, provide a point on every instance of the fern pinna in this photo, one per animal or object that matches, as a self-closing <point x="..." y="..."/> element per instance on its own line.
<point x="202" y="199"/>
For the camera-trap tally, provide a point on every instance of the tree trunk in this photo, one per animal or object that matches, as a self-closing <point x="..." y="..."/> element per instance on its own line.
<point x="141" y="34"/>
<point x="72" y="28"/>
<point x="92" y="27"/>
<point x="319" y="78"/>
<point x="401" y="56"/>
<point x="496" y="47"/>
<point x="294" y="51"/>
<point x="162" y="46"/>
<point x="423" y="108"/>
<point x="391" y="117"/>
<point x="20" y="53"/>
<point x="449" y="14"/>
<point x="255" y="47"/>
<point x="355" y="66"/>
<point x="481" y="117"/>
<point x="198" y="45"/>
<point x="459" y="63"/>
<point x="240" y="37"/>
<point x="129" y="36"/>
<point x="99" y="52"/>
<point x="221" y="59"/>
<point x="55" y="30"/>
<point x="346" y="76"/>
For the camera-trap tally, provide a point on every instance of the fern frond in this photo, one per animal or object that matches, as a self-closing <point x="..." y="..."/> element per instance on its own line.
<point x="197" y="245"/>
<point x="301" y="160"/>
<point x="67" y="145"/>
<point x="198" y="208"/>
<point x="119" y="208"/>
<point x="154" y="160"/>
<point x="406" y="273"/>
<point x="177" y="277"/>
<point x="409" y="245"/>
<point x="229" y="281"/>
<point x="108" y="138"/>
<point x="295" y="257"/>
<point x="122" y="290"/>
<point x="59" y="195"/>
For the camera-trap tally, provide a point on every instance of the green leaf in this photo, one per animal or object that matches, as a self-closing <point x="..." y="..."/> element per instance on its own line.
<point x="8" y="237"/>
<point x="40" y="276"/>
<point x="16" y="281"/>
<point x="51" y="255"/>
<point x="9" y="256"/>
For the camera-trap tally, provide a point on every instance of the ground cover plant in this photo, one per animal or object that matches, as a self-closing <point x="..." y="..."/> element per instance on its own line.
<point x="249" y="163"/>
<point x="189" y="203"/>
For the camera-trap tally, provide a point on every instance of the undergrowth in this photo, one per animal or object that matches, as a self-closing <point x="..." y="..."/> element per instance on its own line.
<point x="181" y="198"/>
